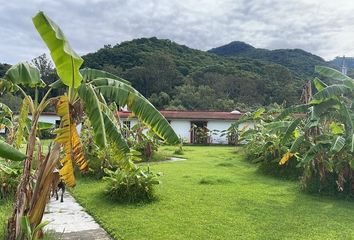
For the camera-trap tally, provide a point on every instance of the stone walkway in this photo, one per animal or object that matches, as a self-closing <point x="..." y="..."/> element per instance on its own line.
<point x="69" y="221"/>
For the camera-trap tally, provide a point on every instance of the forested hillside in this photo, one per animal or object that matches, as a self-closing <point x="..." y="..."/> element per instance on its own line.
<point x="297" y="60"/>
<point x="173" y="76"/>
<point x="177" y="77"/>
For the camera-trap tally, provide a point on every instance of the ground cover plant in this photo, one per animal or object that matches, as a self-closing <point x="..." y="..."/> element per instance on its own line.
<point x="217" y="194"/>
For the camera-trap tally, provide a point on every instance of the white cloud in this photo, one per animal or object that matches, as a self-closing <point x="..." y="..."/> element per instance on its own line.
<point x="321" y="27"/>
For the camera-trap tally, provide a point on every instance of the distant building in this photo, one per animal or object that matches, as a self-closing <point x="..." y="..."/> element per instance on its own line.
<point x="185" y="122"/>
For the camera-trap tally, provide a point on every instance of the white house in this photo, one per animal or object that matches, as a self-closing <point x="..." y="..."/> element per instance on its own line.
<point x="53" y="118"/>
<point x="182" y="122"/>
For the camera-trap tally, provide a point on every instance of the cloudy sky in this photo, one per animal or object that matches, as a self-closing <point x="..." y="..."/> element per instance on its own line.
<point x="325" y="28"/>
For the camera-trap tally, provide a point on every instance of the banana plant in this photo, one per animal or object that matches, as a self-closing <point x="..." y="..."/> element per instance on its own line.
<point x="21" y="75"/>
<point x="327" y="143"/>
<point x="88" y="92"/>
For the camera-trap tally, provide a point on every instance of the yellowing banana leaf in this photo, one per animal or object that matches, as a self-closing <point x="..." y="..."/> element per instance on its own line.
<point x="67" y="136"/>
<point x="66" y="60"/>
<point x="286" y="158"/>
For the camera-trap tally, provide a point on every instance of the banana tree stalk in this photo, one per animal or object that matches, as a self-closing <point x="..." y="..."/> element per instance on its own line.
<point x="24" y="191"/>
<point x="24" y="188"/>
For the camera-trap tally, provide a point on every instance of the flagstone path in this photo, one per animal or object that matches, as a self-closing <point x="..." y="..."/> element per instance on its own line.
<point x="69" y="221"/>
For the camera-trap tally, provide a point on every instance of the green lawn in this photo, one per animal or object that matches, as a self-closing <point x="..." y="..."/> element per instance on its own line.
<point x="5" y="211"/>
<point x="216" y="194"/>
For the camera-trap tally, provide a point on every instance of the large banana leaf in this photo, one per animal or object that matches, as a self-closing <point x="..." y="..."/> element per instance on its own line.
<point x="116" y="137"/>
<point x="332" y="73"/>
<point x="24" y="73"/>
<point x="335" y="90"/>
<point x="123" y="94"/>
<point x="90" y="74"/>
<point x="94" y="113"/>
<point x="277" y="126"/>
<point x="319" y="85"/>
<point x="298" y="143"/>
<point x="66" y="61"/>
<point x="346" y="118"/>
<point x="5" y="110"/>
<point x="22" y="121"/>
<point x="9" y="152"/>
<point x="67" y="136"/>
<point x="293" y="109"/>
<point x="57" y="84"/>
<point x="290" y="130"/>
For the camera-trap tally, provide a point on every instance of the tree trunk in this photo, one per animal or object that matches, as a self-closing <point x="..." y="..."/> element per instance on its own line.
<point x="24" y="191"/>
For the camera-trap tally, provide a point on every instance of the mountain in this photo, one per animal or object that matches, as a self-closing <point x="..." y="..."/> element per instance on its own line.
<point x="297" y="60"/>
<point x="236" y="75"/>
<point x="233" y="48"/>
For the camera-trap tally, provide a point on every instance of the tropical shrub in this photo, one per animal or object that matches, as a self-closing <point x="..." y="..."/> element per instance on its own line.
<point x="130" y="186"/>
<point x="179" y="150"/>
<point x="143" y="140"/>
<point x="325" y="147"/>
<point x="268" y="140"/>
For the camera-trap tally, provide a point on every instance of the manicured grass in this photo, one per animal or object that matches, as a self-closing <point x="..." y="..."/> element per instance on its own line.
<point x="216" y="194"/>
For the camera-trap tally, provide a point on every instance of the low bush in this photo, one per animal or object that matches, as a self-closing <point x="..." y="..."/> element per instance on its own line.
<point x="179" y="150"/>
<point x="130" y="186"/>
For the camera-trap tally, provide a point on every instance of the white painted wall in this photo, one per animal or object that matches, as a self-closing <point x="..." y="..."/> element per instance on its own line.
<point x="181" y="128"/>
<point x="52" y="119"/>
<point x="47" y="118"/>
<point x="219" y="125"/>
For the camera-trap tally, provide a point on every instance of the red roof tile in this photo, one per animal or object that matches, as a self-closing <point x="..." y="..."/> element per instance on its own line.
<point x="195" y="115"/>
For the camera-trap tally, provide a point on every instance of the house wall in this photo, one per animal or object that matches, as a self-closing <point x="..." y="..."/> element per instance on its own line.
<point x="218" y="125"/>
<point x="182" y="128"/>
<point x="52" y="119"/>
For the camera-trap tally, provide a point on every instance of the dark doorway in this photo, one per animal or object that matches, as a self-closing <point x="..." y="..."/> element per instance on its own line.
<point x="199" y="132"/>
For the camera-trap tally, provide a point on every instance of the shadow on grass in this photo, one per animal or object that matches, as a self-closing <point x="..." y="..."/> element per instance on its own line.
<point x="214" y="180"/>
